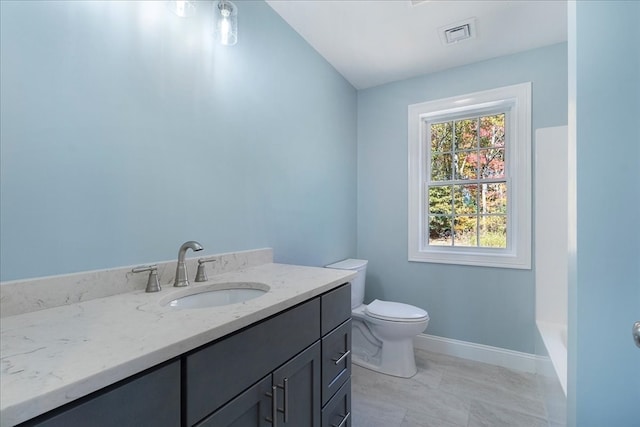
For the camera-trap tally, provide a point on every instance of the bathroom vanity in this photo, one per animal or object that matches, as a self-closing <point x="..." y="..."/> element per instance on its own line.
<point x="281" y="359"/>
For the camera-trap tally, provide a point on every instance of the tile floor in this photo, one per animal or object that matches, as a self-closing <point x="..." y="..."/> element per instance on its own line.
<point x="452" y="392"/>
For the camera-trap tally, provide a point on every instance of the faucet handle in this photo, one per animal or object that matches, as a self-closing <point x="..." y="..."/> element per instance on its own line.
<point x="153" y="284"/>
<point x="201" y="274"/>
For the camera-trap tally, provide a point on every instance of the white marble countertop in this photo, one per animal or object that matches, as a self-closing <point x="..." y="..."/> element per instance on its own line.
<point x="54" y="356"/>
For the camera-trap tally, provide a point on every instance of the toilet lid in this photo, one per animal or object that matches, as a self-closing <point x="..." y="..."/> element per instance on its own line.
<point x="349" y="264"/>
<point x="395" y="311"/>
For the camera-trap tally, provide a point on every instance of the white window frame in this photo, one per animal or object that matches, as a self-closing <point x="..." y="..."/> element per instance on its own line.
<point x="516" y="100"/>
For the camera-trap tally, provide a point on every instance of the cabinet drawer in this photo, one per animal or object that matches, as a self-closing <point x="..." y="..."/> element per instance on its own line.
<point x="221" y="371"/>
<point x="151" y="399"/>
<point x="337" y="413"/>
<point x="336" y="307"/>
<point x="336" y="360"/>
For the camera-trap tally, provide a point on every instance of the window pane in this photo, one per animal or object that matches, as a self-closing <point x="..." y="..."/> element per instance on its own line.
<point x="466" y="165"/>
<point x="493" y="198"/>
<point x="441" y="136"/>
<point x="440" y="200"/>
<point x="465" y="231"/>
<point x="466" y="134"/>
<point x="468" y="215"/>
<point x="465" y="199"/>
<point x="492" y="131"/>
<point x="441" y="165"/>
<point x="492" y="163"/>
<point x="493" y="231"/>
<point x="440" y="230"/>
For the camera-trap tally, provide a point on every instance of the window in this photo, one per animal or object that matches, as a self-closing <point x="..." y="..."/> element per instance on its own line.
<point x="470" y="179"/>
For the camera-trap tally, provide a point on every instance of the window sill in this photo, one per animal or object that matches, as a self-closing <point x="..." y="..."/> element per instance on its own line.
<point x="472" y="257"/>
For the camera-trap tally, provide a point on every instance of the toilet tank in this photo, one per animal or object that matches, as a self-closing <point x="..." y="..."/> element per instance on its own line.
<point x="357" y="284"/>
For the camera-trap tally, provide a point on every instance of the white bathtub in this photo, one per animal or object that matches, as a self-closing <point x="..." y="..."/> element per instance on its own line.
<point x="552" y="244"/>
<point x="554" y="336"/>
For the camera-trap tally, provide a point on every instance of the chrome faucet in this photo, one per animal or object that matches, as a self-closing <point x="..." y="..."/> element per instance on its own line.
<point x="181" y="270"/>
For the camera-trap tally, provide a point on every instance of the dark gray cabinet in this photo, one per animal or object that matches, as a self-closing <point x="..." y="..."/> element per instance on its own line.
<point x="150" y="399"/>
<point x="291" y="394"/>
<point x="306" y="353"/>
<point x="297" y="386"/>
<point x="250" y="409"/>
<point x="336" y="360"/>
<point x="336" y="308"/>
<point x="337" y="413"/>
<point x="220" y="371"/>
<point x="291" y="369"/>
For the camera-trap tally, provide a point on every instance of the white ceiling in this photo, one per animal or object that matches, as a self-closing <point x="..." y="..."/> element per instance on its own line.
<point x="371" y="42"/>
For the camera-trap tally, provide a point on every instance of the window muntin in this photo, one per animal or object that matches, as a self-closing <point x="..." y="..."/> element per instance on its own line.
<point x="457" y="153"/>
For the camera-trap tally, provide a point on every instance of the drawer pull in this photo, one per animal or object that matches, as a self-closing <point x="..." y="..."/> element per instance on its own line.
<point x="341" y="358"/>
<point x="344" y="420"/>
<point x="285" y="405"/>
<point x="286" y="400"/>
<point x="274" y="406"/>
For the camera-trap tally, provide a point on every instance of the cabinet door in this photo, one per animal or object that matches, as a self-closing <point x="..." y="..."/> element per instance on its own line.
<point x="250" y="409"/>
<point x="150" y="399"/>
<point x="298" y="390"/>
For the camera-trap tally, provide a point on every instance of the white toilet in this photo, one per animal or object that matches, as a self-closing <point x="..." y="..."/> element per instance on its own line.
<point x="383" y="331"/>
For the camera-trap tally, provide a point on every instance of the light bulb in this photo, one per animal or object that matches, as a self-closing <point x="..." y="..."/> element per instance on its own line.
<point x="225" y="29"/>
<point x="226" y="23"/>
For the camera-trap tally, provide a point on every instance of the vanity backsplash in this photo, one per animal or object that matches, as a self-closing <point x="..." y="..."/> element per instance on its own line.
<point x="24" y="296"/>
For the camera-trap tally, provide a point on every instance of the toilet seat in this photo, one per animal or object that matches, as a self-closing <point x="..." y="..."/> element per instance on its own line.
<point x="395" y="312"/>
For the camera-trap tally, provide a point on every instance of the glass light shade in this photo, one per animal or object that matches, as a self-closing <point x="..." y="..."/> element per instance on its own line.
<point x="182" y="8"/>
<point x="225" y="15"/>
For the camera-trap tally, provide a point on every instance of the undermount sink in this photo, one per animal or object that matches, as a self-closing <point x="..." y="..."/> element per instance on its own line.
<point x="215" y="295"/>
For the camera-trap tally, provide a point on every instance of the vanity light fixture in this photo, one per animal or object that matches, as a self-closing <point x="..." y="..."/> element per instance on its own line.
<point x="182" y="8"/>
<point x="225" y="21"/>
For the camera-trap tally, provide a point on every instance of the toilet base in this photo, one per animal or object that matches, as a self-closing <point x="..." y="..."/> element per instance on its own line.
<point x="391" y="357"/>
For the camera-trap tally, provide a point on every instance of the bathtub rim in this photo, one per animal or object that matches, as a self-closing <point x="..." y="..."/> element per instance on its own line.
<point x="554" y="337"/>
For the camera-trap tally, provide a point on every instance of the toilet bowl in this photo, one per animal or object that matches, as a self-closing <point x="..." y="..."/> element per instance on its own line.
<point x="382" y="331"/>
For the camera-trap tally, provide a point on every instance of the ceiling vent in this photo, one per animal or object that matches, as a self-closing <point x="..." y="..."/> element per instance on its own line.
<point x="458" y="31"/>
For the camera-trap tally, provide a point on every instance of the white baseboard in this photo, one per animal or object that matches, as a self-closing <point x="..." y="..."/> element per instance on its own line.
<point x="510" y="359"/>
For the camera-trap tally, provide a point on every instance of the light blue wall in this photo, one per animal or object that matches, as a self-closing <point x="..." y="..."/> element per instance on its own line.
<point x="604" y="364"/>
<point x="126" y="132"/>
<point x="483" y="305"/>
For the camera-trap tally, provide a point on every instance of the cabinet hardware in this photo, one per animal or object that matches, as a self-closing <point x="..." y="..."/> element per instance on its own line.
<point x="344" y="420"/>
<point x="274" y="405"/>
<point x="285" y="405"/>
<point x="341" y="358"/>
